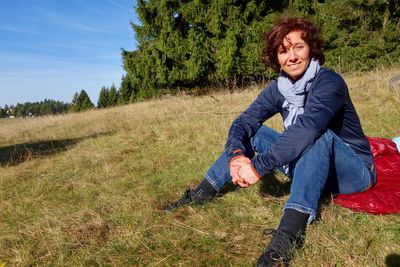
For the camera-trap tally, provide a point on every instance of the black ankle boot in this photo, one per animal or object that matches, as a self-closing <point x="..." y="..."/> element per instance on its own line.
<point x="288" y="236"/>
<point x="279" y="251"/>
<point x="205" y="192"/>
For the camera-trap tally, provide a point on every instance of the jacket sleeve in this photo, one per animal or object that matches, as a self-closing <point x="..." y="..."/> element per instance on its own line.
<point x="325" y="100"/>
<point x="248" y="122"/>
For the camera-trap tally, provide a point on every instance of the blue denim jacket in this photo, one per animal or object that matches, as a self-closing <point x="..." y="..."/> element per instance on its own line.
<point x="328" y="106"/>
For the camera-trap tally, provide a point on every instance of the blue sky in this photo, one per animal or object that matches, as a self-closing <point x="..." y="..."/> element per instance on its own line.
<point x="54" y="48"/>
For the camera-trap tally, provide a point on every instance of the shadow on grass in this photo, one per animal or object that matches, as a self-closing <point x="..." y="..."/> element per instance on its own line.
<point x="269" y="185"/>
<point x="16" y="154"/>
<point x="229" y="187"/>
<point x="392" y="260"/>
<point x="272" y="186"/>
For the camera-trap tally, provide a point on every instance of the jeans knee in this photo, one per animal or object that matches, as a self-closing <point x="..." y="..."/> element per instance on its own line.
<point x="322" y="145"/>
<point x="263" y="136"/>
<point x="327" y="137"/>
<point x="329" y="134"/>
<point x="261" y="133"/>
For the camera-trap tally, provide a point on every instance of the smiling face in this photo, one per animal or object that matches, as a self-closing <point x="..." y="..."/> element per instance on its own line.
<point x="294" y="55"/>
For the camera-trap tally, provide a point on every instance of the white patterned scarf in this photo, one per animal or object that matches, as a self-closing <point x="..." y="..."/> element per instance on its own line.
<point x="295" y="93"/>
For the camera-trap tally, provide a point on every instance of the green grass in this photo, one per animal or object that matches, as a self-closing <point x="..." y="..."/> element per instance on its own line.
<point x="86" y="189"/>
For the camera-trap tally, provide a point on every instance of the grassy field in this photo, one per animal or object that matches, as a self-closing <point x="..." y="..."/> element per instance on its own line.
<point x="86" y="189"/>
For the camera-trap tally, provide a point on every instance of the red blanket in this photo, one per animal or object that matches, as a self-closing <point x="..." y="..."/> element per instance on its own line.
<point x="384" y="197"/>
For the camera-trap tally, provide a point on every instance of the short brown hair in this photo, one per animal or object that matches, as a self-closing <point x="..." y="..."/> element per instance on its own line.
<point x="273" y="39"/>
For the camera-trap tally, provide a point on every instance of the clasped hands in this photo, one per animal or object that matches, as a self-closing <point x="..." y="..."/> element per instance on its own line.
<point x="242" y="173"/>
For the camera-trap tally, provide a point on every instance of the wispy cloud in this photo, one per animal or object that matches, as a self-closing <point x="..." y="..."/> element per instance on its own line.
<point x="83" y="45"/>
<point x="92" y="9"/>
<point x="130" y="10"/>
<point x="12" y="63"/>
<point x="82" y="27"/>
<point x="17" y="30"/>
<point x="54" y="17"/>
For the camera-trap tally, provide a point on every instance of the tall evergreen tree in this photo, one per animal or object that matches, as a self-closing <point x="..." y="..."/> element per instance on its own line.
<point x="104" y="100"/>
<point x="113" y="96"/>
<point x="74" y="101"/>
<point x="83" y="102"/>
<point x="125" y="90"/>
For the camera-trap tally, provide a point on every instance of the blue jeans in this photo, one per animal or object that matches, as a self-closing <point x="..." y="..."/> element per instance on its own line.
<point x="329" y="164"/>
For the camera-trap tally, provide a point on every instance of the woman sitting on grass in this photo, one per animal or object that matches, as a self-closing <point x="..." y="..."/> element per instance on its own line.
<point x="323" y="146"/>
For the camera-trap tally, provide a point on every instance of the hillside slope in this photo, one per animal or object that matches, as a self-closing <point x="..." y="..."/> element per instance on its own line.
<point x="86" y="189"/>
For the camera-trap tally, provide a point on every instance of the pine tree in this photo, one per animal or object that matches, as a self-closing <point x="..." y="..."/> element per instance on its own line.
<point x="113" y="96"/>
<point x="83" y="102"/>
<point x="74" y="102"/>
<point x="125" y="90"/>
<point x="104" y="100"/>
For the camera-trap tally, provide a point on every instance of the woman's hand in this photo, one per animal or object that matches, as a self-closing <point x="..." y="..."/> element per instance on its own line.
<point x="234" y="167"/>
<point x="247" y="174"/>
<point x="242" y="173"/>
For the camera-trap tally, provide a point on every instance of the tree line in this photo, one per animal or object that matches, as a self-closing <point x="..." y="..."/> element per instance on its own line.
<point x="108" y="97"/>
<point x="184" y="44"/>
<point x="34" y="109"/>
